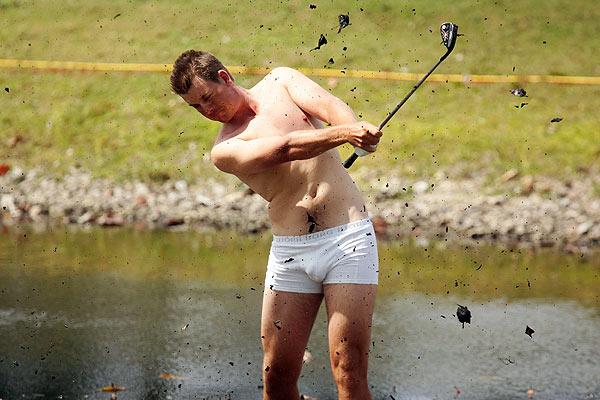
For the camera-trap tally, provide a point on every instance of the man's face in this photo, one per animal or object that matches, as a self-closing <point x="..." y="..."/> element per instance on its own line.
<point x="216" y="101"/>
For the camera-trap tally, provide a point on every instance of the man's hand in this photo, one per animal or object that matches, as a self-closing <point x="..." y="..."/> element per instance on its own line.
<point x="363" y="135"/>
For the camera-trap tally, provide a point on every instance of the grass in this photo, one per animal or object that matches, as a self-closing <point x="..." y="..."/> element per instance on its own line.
<point x="127" y="125"/>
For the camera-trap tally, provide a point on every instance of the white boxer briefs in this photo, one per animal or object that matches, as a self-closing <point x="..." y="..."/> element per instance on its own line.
<point x="343" y="254"/>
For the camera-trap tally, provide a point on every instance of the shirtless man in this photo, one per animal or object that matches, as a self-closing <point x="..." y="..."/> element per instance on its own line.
<point x="324" y="244"/>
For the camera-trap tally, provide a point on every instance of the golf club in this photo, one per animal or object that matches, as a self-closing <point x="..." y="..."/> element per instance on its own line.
<point x="449" y="32"/>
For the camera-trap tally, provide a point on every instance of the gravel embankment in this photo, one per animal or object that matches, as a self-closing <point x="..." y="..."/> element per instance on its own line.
<point x="517" y="211"/>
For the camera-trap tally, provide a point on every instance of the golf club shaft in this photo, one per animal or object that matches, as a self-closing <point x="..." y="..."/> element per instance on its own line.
<point x="353" y="157"/>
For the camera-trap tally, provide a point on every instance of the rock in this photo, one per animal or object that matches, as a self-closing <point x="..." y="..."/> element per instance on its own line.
<point x="110" y="220"/>
<point x="181" y="186"/>
<point x="420" y="187"/>
<point x="17" y="175"/>
<point x="86" y="218"/>
<point x="584" y="228"/>
<point x="141" y="201"/>
<point x="37" y="213"/>
<point x="203" y="200"/>
<point x="307" y="358"/>
<point x="174" y="221"/>
<point x="527" y="184"/>
<point x="7" y="203"/>
<point x="508" y="175"/>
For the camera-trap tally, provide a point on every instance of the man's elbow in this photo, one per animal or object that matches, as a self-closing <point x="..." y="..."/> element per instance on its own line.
<point x="254" y="163"/>
<point x="222" y="164"/>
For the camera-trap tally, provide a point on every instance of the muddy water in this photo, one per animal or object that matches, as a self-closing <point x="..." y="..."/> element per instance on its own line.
<point x="81" y="310"/>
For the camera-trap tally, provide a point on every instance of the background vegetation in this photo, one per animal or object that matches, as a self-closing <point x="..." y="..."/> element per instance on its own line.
<point x="130" y="125"/>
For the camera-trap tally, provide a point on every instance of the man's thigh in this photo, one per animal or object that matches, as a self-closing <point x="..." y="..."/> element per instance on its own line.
<point x="350" y="315"/>
<point x="286" y="323"/>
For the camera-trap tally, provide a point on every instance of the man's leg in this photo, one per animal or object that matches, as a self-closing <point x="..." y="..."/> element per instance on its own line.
<point x="349" y="315"/>
<point x="287" y="319"/>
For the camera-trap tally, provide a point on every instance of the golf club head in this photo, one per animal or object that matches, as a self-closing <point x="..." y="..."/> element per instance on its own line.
<point x="449" y="32"/>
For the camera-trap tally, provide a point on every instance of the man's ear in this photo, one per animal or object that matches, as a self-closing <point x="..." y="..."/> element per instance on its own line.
<point x="224" y="75"/>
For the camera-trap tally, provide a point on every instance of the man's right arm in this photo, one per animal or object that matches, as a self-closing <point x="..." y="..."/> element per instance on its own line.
<point x="239" y="156"/>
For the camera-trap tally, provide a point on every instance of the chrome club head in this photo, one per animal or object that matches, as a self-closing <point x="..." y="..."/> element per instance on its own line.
<point x="449" y="32"/>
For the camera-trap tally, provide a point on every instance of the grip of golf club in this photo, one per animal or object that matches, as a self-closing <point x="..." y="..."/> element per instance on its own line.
<point x="358" y="152"/>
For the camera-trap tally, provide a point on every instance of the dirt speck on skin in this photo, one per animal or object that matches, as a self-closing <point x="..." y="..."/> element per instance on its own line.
<point x="312" y="223"/>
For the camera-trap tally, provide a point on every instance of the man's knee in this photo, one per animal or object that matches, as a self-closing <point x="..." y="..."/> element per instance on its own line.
<point x="280" y="372"/>
<point x="349" y="365"/>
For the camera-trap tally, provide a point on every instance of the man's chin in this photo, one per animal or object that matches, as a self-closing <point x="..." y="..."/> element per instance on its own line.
<point x="222" y="118"/>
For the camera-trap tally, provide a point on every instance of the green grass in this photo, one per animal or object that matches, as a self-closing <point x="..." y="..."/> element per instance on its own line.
<point x="126" y="125"/>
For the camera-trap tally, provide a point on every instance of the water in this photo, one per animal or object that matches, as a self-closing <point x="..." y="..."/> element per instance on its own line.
<point x="81" y="310"/>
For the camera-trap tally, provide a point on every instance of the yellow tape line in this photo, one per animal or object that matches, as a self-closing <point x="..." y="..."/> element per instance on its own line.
<point x="329" y="73"/>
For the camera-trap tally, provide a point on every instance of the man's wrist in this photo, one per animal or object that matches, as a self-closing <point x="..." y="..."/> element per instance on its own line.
<point x="340" y="133"/>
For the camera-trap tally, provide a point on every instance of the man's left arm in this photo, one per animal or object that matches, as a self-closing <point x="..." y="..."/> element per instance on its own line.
<point x="313" y="99"/>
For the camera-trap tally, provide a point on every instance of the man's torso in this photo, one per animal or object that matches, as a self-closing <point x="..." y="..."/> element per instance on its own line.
<point x="304" y="196"/>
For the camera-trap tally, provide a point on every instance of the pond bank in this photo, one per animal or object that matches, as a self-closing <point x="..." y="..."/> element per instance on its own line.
<point x="515" y="211"/>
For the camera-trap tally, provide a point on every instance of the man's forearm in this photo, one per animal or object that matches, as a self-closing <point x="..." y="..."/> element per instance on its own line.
<point x="301" y="145"/>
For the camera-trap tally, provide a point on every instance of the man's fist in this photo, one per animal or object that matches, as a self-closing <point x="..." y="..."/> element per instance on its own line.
<point x="363" y="135"/>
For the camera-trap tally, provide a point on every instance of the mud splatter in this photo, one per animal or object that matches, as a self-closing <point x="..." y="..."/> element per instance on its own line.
<point x="312" y="223"/>
<point x="464" y="315"/>
<point x="344" y="21"/>
<point x="519" y="92"/>
<point x="529" y="331"/>
<point x="322" y="42"/>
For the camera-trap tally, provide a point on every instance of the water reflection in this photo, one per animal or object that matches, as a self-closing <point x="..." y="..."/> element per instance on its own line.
<point x="81" y="310"/>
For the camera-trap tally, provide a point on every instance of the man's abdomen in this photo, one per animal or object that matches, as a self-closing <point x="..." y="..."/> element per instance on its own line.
<point x="320" y="199"/>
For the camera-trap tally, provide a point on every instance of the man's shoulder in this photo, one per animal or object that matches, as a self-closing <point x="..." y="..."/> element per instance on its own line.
<point x="283" y="70"/>
<point x="283" y="73"/>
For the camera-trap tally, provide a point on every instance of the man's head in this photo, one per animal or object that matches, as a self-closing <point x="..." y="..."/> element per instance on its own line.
<point x="205" y="84"/>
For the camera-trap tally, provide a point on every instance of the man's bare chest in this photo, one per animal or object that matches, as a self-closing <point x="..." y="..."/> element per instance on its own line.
<point x="278" y="114"/>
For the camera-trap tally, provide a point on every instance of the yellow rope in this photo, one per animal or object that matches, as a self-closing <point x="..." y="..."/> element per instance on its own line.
<point x="330" y="73"/>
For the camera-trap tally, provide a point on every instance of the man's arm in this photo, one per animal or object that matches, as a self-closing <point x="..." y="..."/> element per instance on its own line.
<point x="239" y="156"/>
<point x="313" y="99"/>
